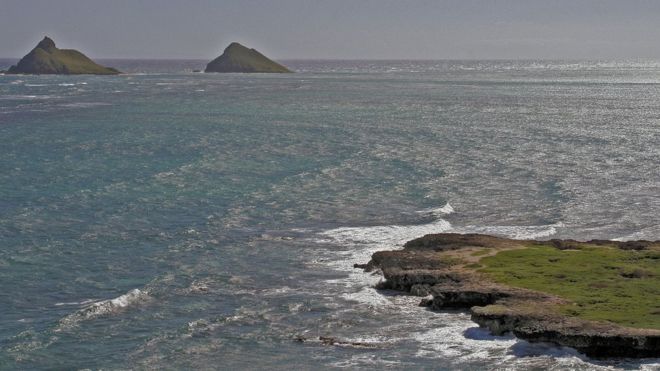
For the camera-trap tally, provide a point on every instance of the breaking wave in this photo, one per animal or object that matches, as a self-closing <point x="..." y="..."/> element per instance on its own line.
<point x="105" y="307"/>
<point x="524" y="232"/>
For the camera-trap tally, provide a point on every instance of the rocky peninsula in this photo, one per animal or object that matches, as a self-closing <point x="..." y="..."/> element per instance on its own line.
<point x="47" y="59"/>
<point x="599" y="297"/>
<point x="238" y="58"/>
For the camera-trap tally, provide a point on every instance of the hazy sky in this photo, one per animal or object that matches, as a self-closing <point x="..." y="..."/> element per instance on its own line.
<point x="348" y="29"/>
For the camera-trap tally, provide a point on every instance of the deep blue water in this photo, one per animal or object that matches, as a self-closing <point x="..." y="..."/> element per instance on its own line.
<point x="170" y="219"/>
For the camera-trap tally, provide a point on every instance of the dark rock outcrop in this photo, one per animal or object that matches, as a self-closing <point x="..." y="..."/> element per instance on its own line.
<point x="238" y="58"/>
<point x="47" y="59"/>
<point x="328" y="340"/>
<point x="454" y="241"/>
<point x="595" y="339"/>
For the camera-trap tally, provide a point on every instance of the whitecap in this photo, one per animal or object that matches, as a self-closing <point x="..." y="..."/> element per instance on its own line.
<point x="368" y="296"/>
<point x="365" y="360"/>
<point x="516" y="232"/>
<point x="105" y="307"/>
<point x="385" y="236"/>
<point x="448" y="340"/>
<point x="85" y="104"/>
<point x="362" y="242"/>
<point x="13" y="97"/>
<point x="82" y="302"/>
<point x="438" y="211"/>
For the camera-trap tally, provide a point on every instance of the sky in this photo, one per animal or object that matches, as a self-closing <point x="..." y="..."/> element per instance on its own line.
<point x="338" y="29"/>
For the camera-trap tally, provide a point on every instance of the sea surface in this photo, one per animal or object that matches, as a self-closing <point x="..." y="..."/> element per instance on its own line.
<point x="166" y="219"/>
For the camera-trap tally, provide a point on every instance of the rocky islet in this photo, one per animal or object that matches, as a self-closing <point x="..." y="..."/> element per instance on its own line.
<point x="47" y="59"/>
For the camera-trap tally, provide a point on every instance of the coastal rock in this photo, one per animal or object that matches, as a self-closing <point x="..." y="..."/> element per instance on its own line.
<point x="332" y="341"/>
<point x="47" y="59"/>
<point x="420" y="290"/>
<point x="463" y="297"/>
<point x="238" y="58"/>
<point x="455" y="241"/>
<point x="595" y="339"/>
<point x="444" y="267"/>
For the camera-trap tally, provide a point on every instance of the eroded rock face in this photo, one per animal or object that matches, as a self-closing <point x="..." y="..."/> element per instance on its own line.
<point x="403" y="269"/>
<point x="464" y="297"/>
<point x="238" y="58"/>
<point x="595" y="339"/>
<point x="425" y="267"/>
<point x="47" y="59"/>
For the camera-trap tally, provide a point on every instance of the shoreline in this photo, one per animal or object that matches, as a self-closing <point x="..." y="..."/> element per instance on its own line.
<point x="446" y="269"/>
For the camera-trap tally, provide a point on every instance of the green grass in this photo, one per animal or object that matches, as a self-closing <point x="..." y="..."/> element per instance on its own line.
<point x="603" y="283"/>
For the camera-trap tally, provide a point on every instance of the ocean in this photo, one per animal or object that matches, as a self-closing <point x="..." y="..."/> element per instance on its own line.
<point x="166" y="219"/>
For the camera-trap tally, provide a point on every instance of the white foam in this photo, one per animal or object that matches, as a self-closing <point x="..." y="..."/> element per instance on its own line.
<point x="365" y="360"/>
<point x="448" y="341"/>
<point x="388" y="236"/>
<point x="439" y="211"/>
<point x="362" y="242"/>
<point x="105" y="307"/>
<point x="83" y="302"/>
<point x="31" y="97"/>
<point x="85" y="104"/>
<point x="648" y="233"/>
<point x="368" y="296"/>
<point x="517" y="232"/>
<point x="453" y="336"/>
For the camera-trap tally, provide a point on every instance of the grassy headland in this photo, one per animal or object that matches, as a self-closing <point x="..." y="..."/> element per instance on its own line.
<point x="599" y="297"/>
<point x="603" y="283"/>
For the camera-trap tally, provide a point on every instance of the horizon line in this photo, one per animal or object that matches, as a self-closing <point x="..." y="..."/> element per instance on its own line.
<point x="381" y="59"/>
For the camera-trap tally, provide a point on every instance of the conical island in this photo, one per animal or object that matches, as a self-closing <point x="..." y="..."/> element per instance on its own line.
<point x="47" y="59"/>
<point x="238" y="58"/>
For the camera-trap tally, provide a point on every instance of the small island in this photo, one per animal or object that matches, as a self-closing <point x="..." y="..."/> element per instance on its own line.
<point x="600" y="297"/>
<point x="238" y="58"/>
<point x="47" y="59"/>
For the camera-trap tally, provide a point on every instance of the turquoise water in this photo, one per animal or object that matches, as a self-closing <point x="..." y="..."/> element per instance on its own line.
<point x="169" y="219"/>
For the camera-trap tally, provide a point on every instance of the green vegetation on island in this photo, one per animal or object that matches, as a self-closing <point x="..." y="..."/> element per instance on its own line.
<point x="47" y="59"/>
<point x="602" y="283"/>
<point x="238" y="58"/>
